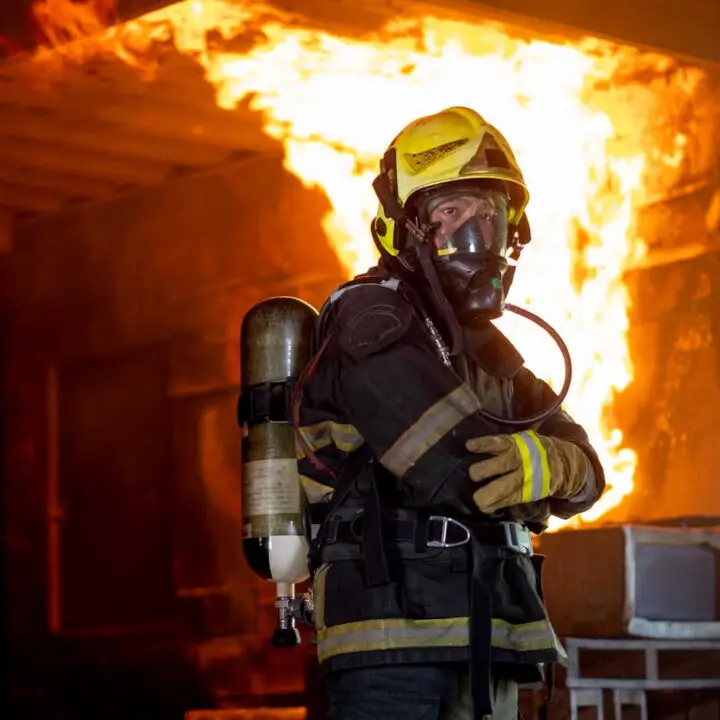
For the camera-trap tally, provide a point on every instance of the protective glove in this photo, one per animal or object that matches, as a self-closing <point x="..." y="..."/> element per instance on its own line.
<point x="525" y="467"/>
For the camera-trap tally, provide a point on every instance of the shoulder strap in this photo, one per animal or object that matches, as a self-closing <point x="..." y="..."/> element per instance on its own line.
<point x="349" y="473"/>
<point x="376" y="570"/>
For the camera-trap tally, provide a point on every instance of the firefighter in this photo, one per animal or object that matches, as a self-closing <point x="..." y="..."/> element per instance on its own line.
<point x="428" y="601"/>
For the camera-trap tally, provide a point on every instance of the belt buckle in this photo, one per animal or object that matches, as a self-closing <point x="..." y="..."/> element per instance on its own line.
<point x="330" y="530"/>
<point x="517" y="538"/>
<point x="443" y="543"/>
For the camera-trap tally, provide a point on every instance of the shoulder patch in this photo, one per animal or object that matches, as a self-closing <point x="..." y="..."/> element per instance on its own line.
<point x="329" y="308"/>
<point x="371" y="318"/>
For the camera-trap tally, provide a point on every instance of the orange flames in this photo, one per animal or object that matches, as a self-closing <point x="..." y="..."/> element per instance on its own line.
<point x="335" y="103"/>
<point x="63" y="20"/>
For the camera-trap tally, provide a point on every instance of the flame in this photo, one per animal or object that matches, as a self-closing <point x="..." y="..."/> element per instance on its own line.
<point x="64" y="20"/>
<point x="335" y="103"/>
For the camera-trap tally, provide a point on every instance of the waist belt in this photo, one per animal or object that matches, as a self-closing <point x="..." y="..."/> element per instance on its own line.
<point x="432" y="531"/>
<point x="440" y="531"/>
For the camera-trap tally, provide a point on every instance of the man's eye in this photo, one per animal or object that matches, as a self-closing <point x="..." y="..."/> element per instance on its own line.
<point x="449" y="211"/>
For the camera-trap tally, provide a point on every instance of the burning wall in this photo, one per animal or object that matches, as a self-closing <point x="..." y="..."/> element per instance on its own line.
<point x="603" y="133"/>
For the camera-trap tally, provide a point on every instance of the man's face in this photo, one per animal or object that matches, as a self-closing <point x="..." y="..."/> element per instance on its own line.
<point x="472" y="221"/>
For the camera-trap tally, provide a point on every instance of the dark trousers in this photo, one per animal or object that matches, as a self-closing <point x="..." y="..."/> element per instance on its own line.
<point x="413" y="692"/>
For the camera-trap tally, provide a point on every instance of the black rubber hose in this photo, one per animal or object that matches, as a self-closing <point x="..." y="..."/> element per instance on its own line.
<point x="555" y="406"/>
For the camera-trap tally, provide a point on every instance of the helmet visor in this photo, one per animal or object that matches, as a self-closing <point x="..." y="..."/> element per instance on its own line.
<point x="469" y="221"/>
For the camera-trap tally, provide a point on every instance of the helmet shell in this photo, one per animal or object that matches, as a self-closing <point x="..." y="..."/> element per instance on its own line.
<point x="456" y="144"/>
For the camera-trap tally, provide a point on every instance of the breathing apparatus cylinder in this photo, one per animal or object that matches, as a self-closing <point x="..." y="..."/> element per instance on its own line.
<point x="275" y="347"/>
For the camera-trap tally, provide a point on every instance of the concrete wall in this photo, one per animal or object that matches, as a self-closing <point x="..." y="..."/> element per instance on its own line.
<point x="122" y="499"/>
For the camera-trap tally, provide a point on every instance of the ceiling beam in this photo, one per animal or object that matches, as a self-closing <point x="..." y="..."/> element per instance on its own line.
<point x="29" y="200"/>
<point x="99" y="136"/>
<point x="230" y="129"/>
<point x="237" y="163"/>
<point x="70" y="185"/>
<point x="61" y="158"/>
<point x="239" y="129"/>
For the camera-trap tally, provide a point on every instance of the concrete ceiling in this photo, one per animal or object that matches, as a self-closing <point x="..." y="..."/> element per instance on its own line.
<point x="680" y="27"/>
<point x="97" y="129"/>
<point x="687" y="29"/>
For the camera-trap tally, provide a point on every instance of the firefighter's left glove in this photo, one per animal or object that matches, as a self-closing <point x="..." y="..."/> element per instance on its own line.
<point x="525" y="467"/>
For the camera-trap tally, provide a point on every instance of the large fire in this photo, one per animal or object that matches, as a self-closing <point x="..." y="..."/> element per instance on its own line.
<point x="336" y="102"/>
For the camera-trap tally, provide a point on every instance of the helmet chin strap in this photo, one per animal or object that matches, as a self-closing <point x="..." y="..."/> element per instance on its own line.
<point x="437" y="295"/>
<point x="394" y="210"/>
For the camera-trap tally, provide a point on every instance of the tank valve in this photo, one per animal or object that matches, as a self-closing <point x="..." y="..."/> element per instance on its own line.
<point x="291" y="608"/>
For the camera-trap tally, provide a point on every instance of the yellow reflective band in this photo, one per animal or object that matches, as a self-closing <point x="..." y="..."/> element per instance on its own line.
<point x="536" y="471"/>
<point x="527" y="469"/>
<point x="343" y="437"/>
<point x="544" y="466"/>
<point x="371" y="635"/>
<point x="315" y="492"/>
<point x="429" y="429"/>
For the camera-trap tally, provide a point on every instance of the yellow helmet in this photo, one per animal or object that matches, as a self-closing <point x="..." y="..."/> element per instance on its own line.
<point x="456" y="144"/>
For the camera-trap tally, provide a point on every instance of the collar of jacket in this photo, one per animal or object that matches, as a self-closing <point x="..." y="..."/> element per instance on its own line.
<point x="486" y="345"/>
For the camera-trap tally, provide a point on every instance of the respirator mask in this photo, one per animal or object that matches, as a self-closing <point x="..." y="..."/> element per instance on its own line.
<point x="466" y="226"/>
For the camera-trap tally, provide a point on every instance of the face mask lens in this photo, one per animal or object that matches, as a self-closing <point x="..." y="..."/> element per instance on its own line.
<point x="469" y="222"/>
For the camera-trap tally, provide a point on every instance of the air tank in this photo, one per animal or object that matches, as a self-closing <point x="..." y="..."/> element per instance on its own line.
<point x="275" y="347"/>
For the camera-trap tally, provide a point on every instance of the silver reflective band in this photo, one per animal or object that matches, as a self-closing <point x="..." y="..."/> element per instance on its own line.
<point x="442" y="542"/>
<point x="391" y="284"/>
<point x="539" y="474"/>
<point x="518" y="538"/>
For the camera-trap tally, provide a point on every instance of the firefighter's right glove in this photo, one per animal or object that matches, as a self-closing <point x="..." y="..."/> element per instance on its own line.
<point x="525" y="467"/>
